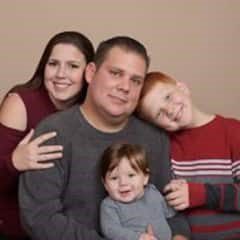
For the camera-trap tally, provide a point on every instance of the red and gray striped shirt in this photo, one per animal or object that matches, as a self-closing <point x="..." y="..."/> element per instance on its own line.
<point x="209" y="158"/>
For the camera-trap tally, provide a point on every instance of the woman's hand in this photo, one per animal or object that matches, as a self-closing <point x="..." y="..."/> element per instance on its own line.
<point x="28" y="155"/>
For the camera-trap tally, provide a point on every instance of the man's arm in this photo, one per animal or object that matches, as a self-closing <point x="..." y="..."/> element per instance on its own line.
<point x="179" y="226"/>
<point x="42" y="210"/>
<point x="178" y="223"/>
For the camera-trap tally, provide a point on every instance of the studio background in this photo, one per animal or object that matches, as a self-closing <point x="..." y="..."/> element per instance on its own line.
<point x="196" y="41"/>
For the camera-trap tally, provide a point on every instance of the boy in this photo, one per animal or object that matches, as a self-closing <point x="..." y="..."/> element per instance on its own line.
<point x="205" y="151"/>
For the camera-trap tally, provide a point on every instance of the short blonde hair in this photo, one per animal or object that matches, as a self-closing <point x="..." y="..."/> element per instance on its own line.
<point x="151" y="79"/>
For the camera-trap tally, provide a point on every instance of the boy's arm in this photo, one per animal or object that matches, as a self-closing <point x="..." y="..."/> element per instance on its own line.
<point x="217" y="196"/>
<point x="224" y="197"/>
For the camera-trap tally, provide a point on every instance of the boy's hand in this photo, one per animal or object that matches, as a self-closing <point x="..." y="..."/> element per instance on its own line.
<point x="177" y="194"/>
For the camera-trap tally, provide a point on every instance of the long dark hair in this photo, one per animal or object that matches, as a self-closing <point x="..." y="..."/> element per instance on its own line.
<point x="76" y="39"/>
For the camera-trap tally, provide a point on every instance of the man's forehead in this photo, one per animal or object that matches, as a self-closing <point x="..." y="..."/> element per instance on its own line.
<point x="117" y="51"/>
<point x="124" y="60"/>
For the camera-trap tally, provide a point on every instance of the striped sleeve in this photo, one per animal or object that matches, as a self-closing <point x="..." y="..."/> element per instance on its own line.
<point x="224" y="197"/>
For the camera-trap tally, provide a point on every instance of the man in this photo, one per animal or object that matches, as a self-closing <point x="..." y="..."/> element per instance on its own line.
<point x="63" y="202"/>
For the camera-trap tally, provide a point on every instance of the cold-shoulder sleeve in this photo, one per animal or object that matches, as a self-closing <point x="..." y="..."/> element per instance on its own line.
<point x="9" y="139"/>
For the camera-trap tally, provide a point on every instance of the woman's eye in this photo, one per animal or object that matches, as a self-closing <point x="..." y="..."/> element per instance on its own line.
<point x="52" y="63"/>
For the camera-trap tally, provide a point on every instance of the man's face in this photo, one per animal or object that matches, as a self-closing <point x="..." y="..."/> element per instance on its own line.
<point x="114" y="88"/>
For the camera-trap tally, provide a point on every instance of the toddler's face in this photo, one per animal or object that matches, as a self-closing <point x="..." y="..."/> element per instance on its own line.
<point x="168" y="106"/>
<point x="124" y="183"/>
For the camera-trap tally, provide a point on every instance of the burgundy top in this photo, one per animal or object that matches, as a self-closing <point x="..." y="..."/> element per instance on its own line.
<point x="38" y="106"/>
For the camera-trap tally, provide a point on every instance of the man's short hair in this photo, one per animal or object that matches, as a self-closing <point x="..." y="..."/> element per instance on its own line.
<point x="124" y="42"/>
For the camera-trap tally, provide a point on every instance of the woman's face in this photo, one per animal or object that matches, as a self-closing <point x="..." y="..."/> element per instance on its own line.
<point x="63" y="74"/>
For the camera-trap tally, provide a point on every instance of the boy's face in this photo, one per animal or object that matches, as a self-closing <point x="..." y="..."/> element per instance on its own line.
<point x="168" y="106"/>
<point x="124" y="183"/>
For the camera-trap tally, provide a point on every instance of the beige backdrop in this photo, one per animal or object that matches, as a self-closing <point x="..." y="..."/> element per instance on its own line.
<point x="196" y="41"/>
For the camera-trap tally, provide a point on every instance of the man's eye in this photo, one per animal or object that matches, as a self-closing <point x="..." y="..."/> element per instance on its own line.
<point x="136" y="81"/>
<point x="74" y="66"/>
<point x="115" y="73"/>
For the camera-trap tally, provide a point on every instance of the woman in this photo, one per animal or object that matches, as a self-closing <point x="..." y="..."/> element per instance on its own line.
<point x="57" y="84"/>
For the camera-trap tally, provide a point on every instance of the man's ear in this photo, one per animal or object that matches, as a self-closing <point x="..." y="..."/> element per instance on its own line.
<point x="90" y="71"/>
<point x="183" y="87"/>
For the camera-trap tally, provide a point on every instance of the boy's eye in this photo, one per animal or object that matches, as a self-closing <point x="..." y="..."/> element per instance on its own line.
<point x="159" y="114"/>
<point x="168" y="96"/>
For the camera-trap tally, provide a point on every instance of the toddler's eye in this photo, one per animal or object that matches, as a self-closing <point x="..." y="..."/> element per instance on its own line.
<point x="113" y="178"/>
<point x="131" y="175"/>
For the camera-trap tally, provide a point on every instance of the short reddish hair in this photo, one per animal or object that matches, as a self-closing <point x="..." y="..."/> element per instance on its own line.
<point x="151" y="79"/>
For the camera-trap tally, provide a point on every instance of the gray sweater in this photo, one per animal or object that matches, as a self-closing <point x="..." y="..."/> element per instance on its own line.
<point x="127" y="221"/>
<point x="63" y="202"/>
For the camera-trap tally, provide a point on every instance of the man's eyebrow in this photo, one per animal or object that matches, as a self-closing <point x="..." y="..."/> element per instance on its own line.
<point x="138" y="77"/>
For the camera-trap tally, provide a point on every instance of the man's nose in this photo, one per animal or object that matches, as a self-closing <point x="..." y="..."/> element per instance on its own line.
<point x="125" y="84"/>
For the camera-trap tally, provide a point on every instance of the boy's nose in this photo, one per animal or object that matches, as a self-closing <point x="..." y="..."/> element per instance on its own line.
<point x="169" y="109"/>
